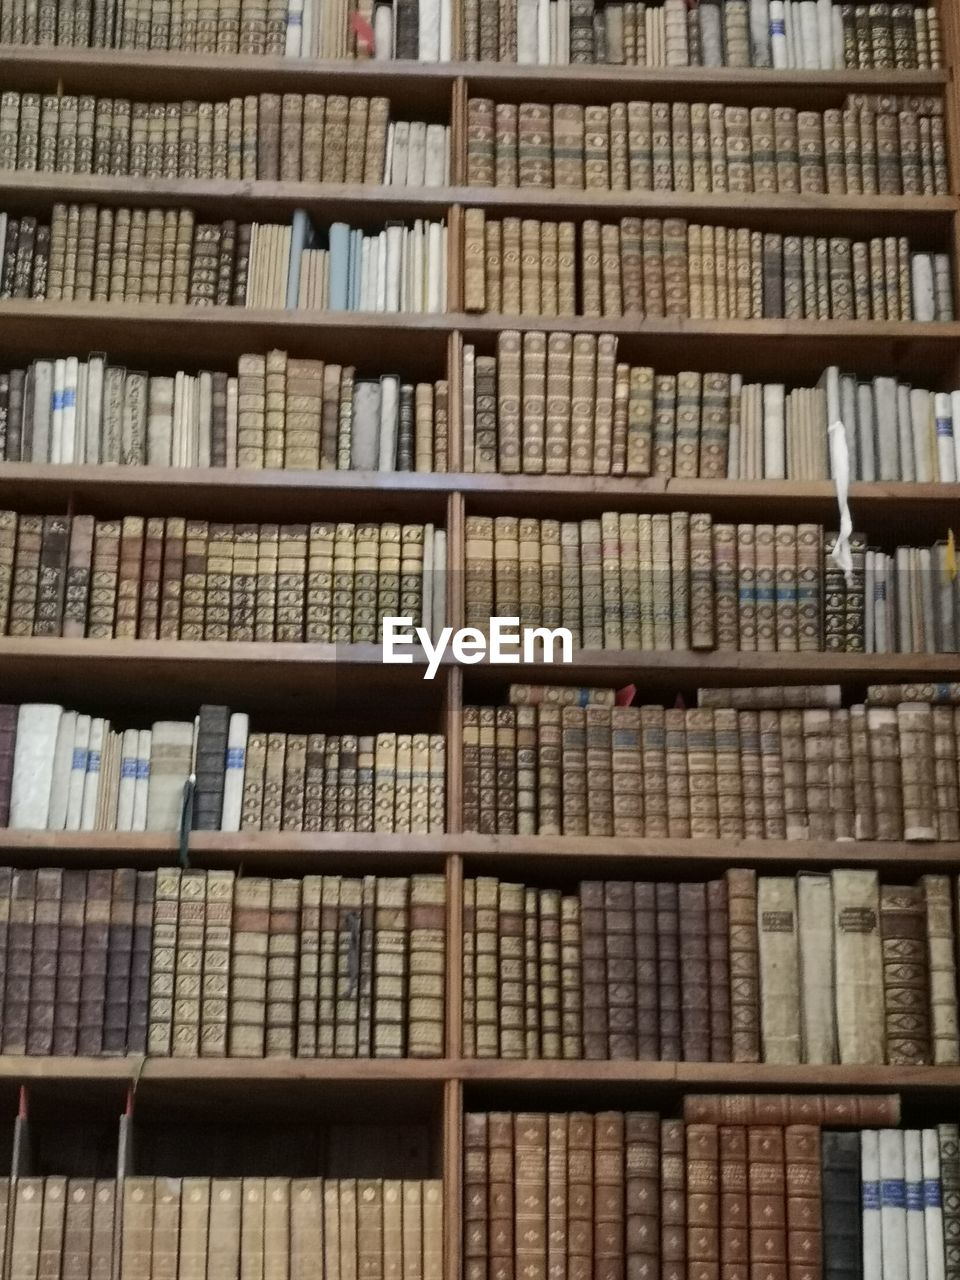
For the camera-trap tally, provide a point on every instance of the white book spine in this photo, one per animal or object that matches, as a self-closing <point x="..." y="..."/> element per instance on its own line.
<point x="527" y="32"/>
<point x="78" y="773"/>
<point x="733" y="441"/>
<point x="888" y="432"/>
<point x="825" y="33"/>
<point x="760" y="33"/>
<point x="91" y="781"/>
<point x="868" y="448"/>
<point x="923" y="447"/>
<point x="815" y="929"/>
<point x="439" y="620"/>
<point x="544" y="32"/>
<point x="55" y="452"/>
<point x="916" y="460"/>
<point x="870" y="597"/>
<point x="429" y="30"/>
<point x="237" y="734"/>
<point x="913" y="1194"/>
<point x="870" y="1202"/>
<point x="62" y="762"/>
<point x="37" y="726"/>
<point x="383" y="33"/>
<point x="389" y="410"/>
<point x="435" y="279"/>
<point x="393" y="267"/>
<point x="946" y="443"/>
<point x="774" y="451"/>
<point x="893" y="1210"/>
<point x="94" y="411"/>
<point x="68" y="429"/>
<point x="79" y="444"/>
<point x="836" y="18"/>
<point x="128" y="779"/>
<point x="955" y="414"/>
<point x="923" y="293"/>
<point x="143" y="781"/>
<point x="932" y="1204"/>
<point x="294" y="28"/>
<point x="788" y="30"/>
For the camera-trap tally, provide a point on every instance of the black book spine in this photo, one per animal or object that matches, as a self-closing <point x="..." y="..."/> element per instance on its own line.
<point x="211" y="762"/>
<point x="842" y="1244"/>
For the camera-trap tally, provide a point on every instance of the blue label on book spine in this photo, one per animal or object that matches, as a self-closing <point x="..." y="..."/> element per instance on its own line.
<point x="914" y="1192"/>
<point x="128" y="767"/>
<point x="871" y="1195"/>
<point x="143" y="768"/>
<point x="93" y="762"/>
<point x="235" y="757"/>
<point x="893" y="1193"/>
<point x="931" y="1193"/>
<point x="945" y="428"/>
<point x="79" y="759"/>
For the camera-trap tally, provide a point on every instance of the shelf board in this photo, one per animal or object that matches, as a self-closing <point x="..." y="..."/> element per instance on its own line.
<point x="222" y="492"/>
<point x="690" y="1076"/>
<point x="191" y="337"/>
<point x="561" y="856"/>
<point x="122" y="71"/>
<point x="856" y="215"/>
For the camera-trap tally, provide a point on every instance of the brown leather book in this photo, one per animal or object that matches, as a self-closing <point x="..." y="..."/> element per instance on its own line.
<point x="77" y="1245"/>
<point x="43" y="980"/>
<point x="703" y="1201"/>
<point x="8" y="735"/>
<point x="556" y="1268"/>
<point x="744" y="964"/>
<point x="475" y="1229"/>
<point x="618" y="903"/>
<point x="16" y="1001"/>
<point x="500" y="1195"/>
<point x="668" y="969"/>
<point x="830" y="1110"/>
<point x="734" y="1204"/>
<point x="718" y="948"/>
<point x="804" y="1202"/>
<point x="903" y="930"/>
<point x="580" y="1192"/>
<point x="69" y="962"/>
<point x="140" y="960"/>
<point x="51" y="583"/>
<point x="593" y="970"/>
<point x="608" y="1195"/>
<point x="641" y="1195"/>
<point x="647" y="976"/>
<point x="530" y="1192"/>
<point x="766" y="1180"/>
<point x="119" y="956"/>
<point x="673" y="1201"/>
<point x="694" y="972"/>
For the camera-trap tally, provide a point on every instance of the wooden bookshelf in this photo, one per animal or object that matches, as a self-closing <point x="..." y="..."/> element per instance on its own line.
<point x="294" y="685"/>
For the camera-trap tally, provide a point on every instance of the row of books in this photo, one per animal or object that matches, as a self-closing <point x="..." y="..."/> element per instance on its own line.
<point x="289" y="138"/>
<point x="563" y="404"/>
<point x="778" y="33"/>
<point x="156" y="578"/>
<point x="68" y="771"/>
<point x="296" y="414"/>
<point x="815" y="34"/>
<point x="682" y="581"/>
<point x="817" y="968"/>
<point x="874" y="771"/>
<point x="209" y="964"/>
<point x="401" y="268"/>
<point x="101" y="254"/>
<point x="653" y="267"/>
<point x="146" y="1228"/>
<point x="606" y="417"/>
<point x="577" y="1194"/>
<point x="890" y="146"/>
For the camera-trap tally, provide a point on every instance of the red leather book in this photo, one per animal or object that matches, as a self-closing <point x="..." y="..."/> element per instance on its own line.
<point x="703" y="1202"/>
<point x="475" y="1174"/>
<point x="500" y="1165"/>
<point x="804" y="1202"/>
<point x="830" y="1111"/>
<point x="766" y="1180"/>
<point x="734" y="1204"/>
<point x="579" y="1196"/>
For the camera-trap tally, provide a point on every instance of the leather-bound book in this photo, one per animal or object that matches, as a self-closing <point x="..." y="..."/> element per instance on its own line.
<point x="906" y="978"/>
<point x="530" y="1192"/>
<point x="608" y="1195"/>
<point x="487" y="967"/>
<point x="425" y="1033"/>
<point x="703" y="1201"/>
<point x="533" y="991"/>
<point x="188" y="979"/>
<point x="840" y="1185"/>
<point x="734" y="1219"/>
<point x="327" y="966"/>
<point x="248" y="967"/>
<point x="718" y="955"/>
<point x="594" y="970"/>
<point x="51" y="580"/>
<point x="673" y="1200"/>
<point x="621" y="1002"/>
<point x="949" y="1142"/>
<point x="26" y="572"/>
<point x="859" y="966"/>
<point x="641" y="1195"/>
<point x="804" y="1201"/>
<point x="370" y="1253"/>
<point x="580" y="1195"/>
<point x="744" y="964"/>
<point x="76" y="1246"/>
<point x="500" y="1195"/>
<point x="209" y="767"/>
<point x="215" y="989"/>
<point x="941" y="953"/>
<point x="140" y="961"/>
<point x="283" y="934"/>
<point x="511" y="991"/>
<point x="16" y="1001"/>
<point x="646" y="972"/>
<point x="475" y="1175"/>
<point x="766" y="1176"/>
<point x="556" y="1268"/>
<point x="571" y="1012"/>
<point x="43" y="978"/>
<point x="694" y="972"/>
<point x="779" y="969"/>
<point x="119" y="957"/>
<point x="136" y="1236"/>
<point x="668" y="969"/>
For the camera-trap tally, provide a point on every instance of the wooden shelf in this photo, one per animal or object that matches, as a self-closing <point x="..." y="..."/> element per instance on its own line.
<point x="172" y="337"/>
<point x="177" y="1072"/>
<point x="122" y="71"/>
<point x="542" y="856"/>
<point x="221" y="492"/>
<point x="328" y="202"/>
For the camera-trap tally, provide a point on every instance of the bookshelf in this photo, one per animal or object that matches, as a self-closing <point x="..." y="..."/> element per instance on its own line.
<point x="291" y="680"/>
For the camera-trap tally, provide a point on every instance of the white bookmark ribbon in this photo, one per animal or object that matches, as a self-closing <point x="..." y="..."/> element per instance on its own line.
<point x="840" y="466"/>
